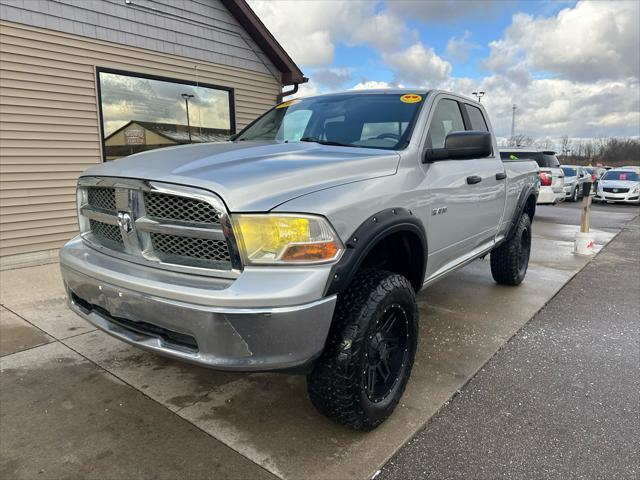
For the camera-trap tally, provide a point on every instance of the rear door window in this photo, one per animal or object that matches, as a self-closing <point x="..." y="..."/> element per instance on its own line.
<point x="476" y="118"/>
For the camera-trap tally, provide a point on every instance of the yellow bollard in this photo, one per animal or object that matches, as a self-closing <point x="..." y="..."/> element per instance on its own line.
<point x="584" y="239"/>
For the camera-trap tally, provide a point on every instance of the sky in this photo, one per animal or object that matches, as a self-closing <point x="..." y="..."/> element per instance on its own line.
<point x="126" y="98"/>
<point x="572" y="68"/>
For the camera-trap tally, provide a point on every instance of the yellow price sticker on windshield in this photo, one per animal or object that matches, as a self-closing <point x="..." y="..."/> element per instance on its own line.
<point x="410" y="98"/>
<point x="287" y="104"/>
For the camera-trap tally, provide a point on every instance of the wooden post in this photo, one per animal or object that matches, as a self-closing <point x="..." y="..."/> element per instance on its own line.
<point x="586" y="208"/>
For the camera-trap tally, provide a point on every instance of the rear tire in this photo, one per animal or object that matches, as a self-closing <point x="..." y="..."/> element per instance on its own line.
<point x="367" y="360"/>
<point x="509" y="261"/>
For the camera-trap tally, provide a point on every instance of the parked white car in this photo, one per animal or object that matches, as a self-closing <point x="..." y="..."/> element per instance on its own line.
<point x="575" y="177"/>
<point x="619" y="185"/>
<point x="550" y="174"/>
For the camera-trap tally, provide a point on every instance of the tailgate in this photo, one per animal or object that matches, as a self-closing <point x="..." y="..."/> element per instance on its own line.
<point x="557" y="181"/>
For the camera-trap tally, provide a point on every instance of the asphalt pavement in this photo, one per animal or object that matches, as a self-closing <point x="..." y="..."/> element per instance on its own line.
<point x="77" y="403"/>
<point x="561" y="398"/>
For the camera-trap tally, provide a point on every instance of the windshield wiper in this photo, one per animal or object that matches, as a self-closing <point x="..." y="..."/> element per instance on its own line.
<point x="325" y="142"/>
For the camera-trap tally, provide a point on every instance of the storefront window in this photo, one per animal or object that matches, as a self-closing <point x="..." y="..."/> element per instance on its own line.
<point x="142" y="113"/>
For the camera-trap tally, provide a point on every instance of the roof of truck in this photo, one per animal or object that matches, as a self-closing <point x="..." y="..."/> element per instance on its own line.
<point x="363" y="91"/>
<point x="396" y="91"/>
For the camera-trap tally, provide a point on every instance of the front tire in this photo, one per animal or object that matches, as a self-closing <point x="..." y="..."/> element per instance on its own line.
<point x="367" y="361"/>
<point x="509" y="261"/>
<point x="574" y="196"/>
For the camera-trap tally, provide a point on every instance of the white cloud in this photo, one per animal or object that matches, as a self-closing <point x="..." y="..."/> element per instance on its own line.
<point x="555" y="107"/>
<point x="309" y="30"/>
<point x="372" y="84"/>
<point x="590" y="42"/>
<point x="332" y="78"/>
<point x="418" y="65"/>
<point x="574" y="72"/>
<point x="591" y="55"/>
<point x="459" y="49"/>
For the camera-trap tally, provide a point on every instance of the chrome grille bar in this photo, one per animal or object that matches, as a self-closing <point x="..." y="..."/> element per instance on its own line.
<point x="147" y="224"/>
<point x="162" y="225"/>
<point x="90" y="213"/>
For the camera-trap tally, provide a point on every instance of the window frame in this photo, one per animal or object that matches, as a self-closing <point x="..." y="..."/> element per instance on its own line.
<point x="115" y="71"/>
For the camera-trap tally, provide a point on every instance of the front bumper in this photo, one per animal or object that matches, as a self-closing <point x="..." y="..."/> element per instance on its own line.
<point x="197" y="320"/>
<point x="618" y="197"/>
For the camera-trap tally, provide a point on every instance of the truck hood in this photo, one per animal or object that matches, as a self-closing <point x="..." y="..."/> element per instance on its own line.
<point x="254" y="176"/>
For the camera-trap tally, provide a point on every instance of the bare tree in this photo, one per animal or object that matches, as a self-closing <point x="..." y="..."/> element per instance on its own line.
<point x="521" y="140"/>
<point x="545" y="144"/>
<point x="565" y="145"/>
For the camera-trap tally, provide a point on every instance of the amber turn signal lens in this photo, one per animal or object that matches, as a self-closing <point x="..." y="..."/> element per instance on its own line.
<point x="310" y="252"/>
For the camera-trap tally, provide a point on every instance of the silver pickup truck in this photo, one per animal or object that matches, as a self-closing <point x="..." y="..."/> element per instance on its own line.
<point x="300" y="244"/>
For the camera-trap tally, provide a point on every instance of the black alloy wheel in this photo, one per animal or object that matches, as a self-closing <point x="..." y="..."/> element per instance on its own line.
<point x="524" y="251"/>
<point x="367" y="360"/>
<point x="387" y="353"/>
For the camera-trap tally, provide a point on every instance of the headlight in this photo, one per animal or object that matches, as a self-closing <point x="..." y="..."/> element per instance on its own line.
<point x="286" y="239"/>
<point x="635" y="190"/>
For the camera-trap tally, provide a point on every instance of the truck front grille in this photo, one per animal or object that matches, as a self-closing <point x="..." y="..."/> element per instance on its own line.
<point x="168" y="226"/>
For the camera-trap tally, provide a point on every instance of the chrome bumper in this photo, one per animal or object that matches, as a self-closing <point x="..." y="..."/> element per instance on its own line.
<point x="617" y="197"/>
<point x="221" y="337"/>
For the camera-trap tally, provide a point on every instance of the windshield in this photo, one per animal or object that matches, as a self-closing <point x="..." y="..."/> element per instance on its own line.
<point x="376" y="120"/>
<point x="570" y="171"/>
<point x="624" y="175"/>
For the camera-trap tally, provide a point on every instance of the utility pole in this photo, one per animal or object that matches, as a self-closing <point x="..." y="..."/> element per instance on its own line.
<point x="186" y="97"/>
<point x="513" y="125"/>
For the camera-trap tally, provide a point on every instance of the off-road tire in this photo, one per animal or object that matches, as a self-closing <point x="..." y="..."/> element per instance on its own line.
<point x="509" y="261"/>
<point x="337" y="386"/>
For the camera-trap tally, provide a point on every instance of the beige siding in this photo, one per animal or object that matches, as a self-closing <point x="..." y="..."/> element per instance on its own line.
<point x="49" y="126"/>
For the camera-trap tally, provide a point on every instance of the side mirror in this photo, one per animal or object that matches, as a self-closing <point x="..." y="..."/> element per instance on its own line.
<point x="462" y="146"/>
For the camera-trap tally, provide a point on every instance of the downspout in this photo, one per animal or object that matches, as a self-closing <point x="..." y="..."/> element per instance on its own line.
<point x="288" y="92"/>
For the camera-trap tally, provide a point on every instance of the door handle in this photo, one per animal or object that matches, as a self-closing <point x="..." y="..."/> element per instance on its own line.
<point x="501" y="176"/>
<point x="474" y="179"/>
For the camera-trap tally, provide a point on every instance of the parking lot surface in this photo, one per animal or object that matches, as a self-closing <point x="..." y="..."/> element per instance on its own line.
<point x="560" y="399"/>
<point x="77" y="403"/>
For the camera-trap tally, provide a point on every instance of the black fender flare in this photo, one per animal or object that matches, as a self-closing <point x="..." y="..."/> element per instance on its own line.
<point x="519" y="210"/>
<point x="366" y="236"/>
